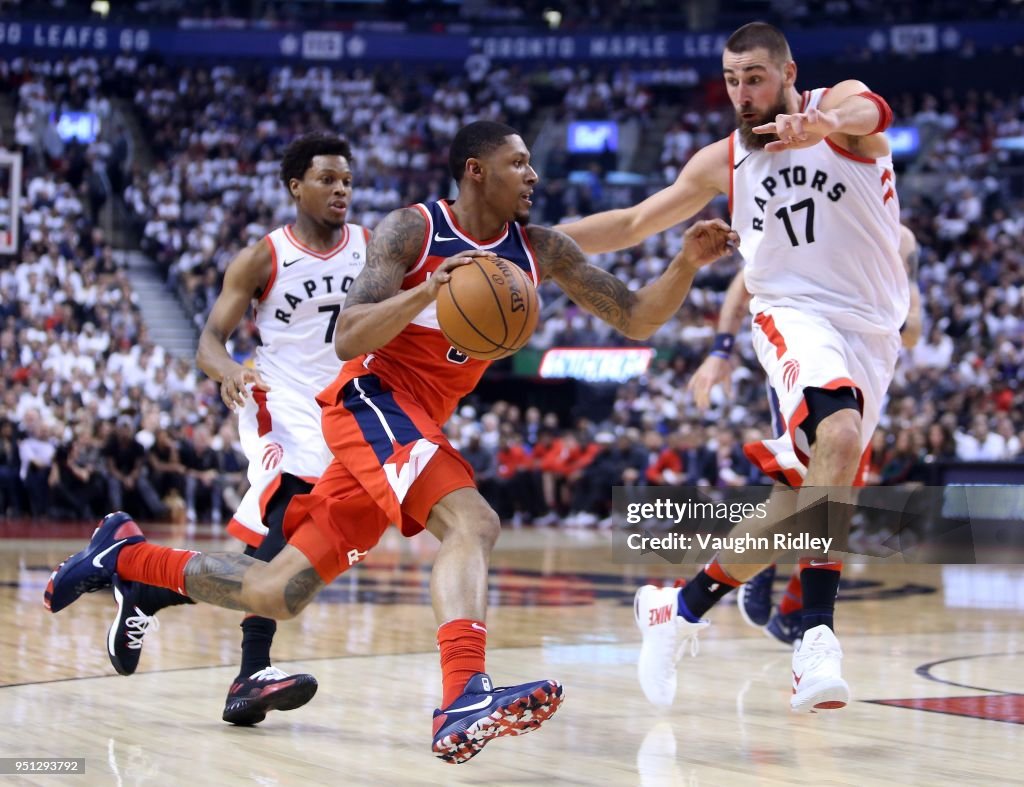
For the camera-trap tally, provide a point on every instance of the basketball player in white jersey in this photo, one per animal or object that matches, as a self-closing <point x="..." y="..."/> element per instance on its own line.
<point x="754" y="598"/>
<point x="296" y="279"/>
<point x="812" y="195"/>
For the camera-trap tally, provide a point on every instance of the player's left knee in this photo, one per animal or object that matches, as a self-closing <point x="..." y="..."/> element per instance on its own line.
<point x="833" y="420"/>
<point x="486" y="525"/>
<point x="840" y="435"/>
<point x="481" y="522"/>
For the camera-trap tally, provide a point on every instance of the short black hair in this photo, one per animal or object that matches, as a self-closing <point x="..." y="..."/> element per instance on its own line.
<point x="475" y="141"/>
<point x="761" y="35"/>
<point x="298" y="156"/>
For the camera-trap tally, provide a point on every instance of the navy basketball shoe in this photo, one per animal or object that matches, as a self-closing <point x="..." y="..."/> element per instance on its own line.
<point x="250" y="698"/>
<point x="124" y="638"/>
<point x="787" y="628"/>
<point x="93" y="568"/>
<point x="484" y="712"/>
<point x="755" y="598"/>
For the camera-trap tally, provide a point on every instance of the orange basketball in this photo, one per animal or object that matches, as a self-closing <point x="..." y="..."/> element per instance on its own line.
<point x="489" y="309"/>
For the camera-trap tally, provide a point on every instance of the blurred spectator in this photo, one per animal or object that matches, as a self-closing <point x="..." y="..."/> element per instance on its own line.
<point x="36" y="451"/>
<point x="979" y="444"/>
<point x="127" y="479"/>
<point x="233" y="464"/>
<point x="77" y="490"/>
<point x="203" y="481"/>
<point x="167" y="472"/>
<point x="481" y="459"/>
<point x="520" y="495"/>
<point x="618" y="461"/>
<point x="10" y="470"/>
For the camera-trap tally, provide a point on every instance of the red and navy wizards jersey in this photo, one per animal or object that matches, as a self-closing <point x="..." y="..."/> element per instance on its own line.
<point x="420" y="361"/>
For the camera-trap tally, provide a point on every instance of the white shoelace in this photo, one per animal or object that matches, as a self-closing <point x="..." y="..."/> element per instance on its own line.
<point x="269" y="673"/>
<point x="689" y="637"/>
<point x="136" y="627"/>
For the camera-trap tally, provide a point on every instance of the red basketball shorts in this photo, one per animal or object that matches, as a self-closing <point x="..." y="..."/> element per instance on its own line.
<point x="392" y="463"/>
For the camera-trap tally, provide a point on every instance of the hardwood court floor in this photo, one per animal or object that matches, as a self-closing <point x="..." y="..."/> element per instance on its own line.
<point x="933" y="657"/>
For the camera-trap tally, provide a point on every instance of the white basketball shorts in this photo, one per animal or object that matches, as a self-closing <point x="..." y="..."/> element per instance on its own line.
<point x="799" y="350"/>
<point x="280" y="433"/>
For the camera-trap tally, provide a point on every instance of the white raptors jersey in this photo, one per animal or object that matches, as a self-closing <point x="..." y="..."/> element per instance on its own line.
<point x="299" y="308"/>
<point x="819" y="230"/>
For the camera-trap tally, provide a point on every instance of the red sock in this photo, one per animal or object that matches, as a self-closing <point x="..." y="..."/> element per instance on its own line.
<point x="462" y="644"/>
<point x="716" y="572"/>
<point x="154" y="565"/>
<point x="793" y="598"/>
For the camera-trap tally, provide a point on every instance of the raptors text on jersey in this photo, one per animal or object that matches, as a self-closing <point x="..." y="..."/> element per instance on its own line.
<point x="819" y="231"/>
<point x="298" y="310"/>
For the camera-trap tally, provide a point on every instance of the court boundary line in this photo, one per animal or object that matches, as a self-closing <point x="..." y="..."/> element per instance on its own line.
<point x="924" y="671"/>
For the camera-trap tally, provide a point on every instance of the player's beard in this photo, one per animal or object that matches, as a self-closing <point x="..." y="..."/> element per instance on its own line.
<point x="752" y="141"/>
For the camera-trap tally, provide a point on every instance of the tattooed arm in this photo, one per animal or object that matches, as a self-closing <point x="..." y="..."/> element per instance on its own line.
<point x="635" y="314"/>
<point x="376" y="308"/>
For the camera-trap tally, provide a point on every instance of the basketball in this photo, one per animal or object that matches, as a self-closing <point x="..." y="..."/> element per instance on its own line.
<point x="489" y="309"/>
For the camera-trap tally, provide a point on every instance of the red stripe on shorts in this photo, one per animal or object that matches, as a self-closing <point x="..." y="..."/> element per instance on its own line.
<point x="767" y="324"/>
<point x="263" y="422"/>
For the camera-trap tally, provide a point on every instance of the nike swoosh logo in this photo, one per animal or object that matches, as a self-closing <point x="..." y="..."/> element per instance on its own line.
<point x="441" y="238"/>
<point x="478" y="627"/>
<point x="475" y="706"/>
<point x="291" y="262"/>
<point x="96" y="560"/>
<point x="737" y="164"/>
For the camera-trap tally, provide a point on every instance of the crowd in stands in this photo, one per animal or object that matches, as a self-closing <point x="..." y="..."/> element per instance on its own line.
<point x="94" y="416"/>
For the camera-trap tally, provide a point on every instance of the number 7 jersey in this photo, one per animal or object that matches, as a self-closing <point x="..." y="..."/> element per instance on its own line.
<point x="819" y="231"/>
<point x="298" y="310"/>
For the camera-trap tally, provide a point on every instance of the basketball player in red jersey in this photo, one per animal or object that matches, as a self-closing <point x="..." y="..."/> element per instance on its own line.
<point x="296" y="277"/>
<point x="812" y="195"/>
<point x="382" y="419"/>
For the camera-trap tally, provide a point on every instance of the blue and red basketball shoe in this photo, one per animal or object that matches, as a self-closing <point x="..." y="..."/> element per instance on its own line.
<point x="250" y="698"/>
<point x="786" y="628"/>
<point x="130" y="625"/>
<point x="93" y="568"/>
<point x="754" y="598"/>
<point x="484" y="712"/>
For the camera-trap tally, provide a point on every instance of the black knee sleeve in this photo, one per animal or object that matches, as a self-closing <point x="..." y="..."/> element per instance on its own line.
<point x="274" y="541"/>
<point x="821" y="403"/>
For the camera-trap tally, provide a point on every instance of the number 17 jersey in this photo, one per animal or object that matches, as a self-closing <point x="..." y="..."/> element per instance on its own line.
<point x="819" y="231"/>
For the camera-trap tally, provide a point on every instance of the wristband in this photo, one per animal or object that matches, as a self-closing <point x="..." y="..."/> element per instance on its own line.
<point x="722" y="346"/>
<point x="884" y="111"/>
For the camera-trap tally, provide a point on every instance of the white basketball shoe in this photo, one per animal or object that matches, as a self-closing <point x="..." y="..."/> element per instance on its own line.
<point x="817" y="680"/>
<point x="665" y="637"/>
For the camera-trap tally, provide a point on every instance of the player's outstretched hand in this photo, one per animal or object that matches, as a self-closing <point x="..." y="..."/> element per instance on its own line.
<point x="443" y="273"/>
<point x="712" y="372"/>
<point x="802" y="130"/>
<point x="706" y="241"/>
<point x="233" y="388"/>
